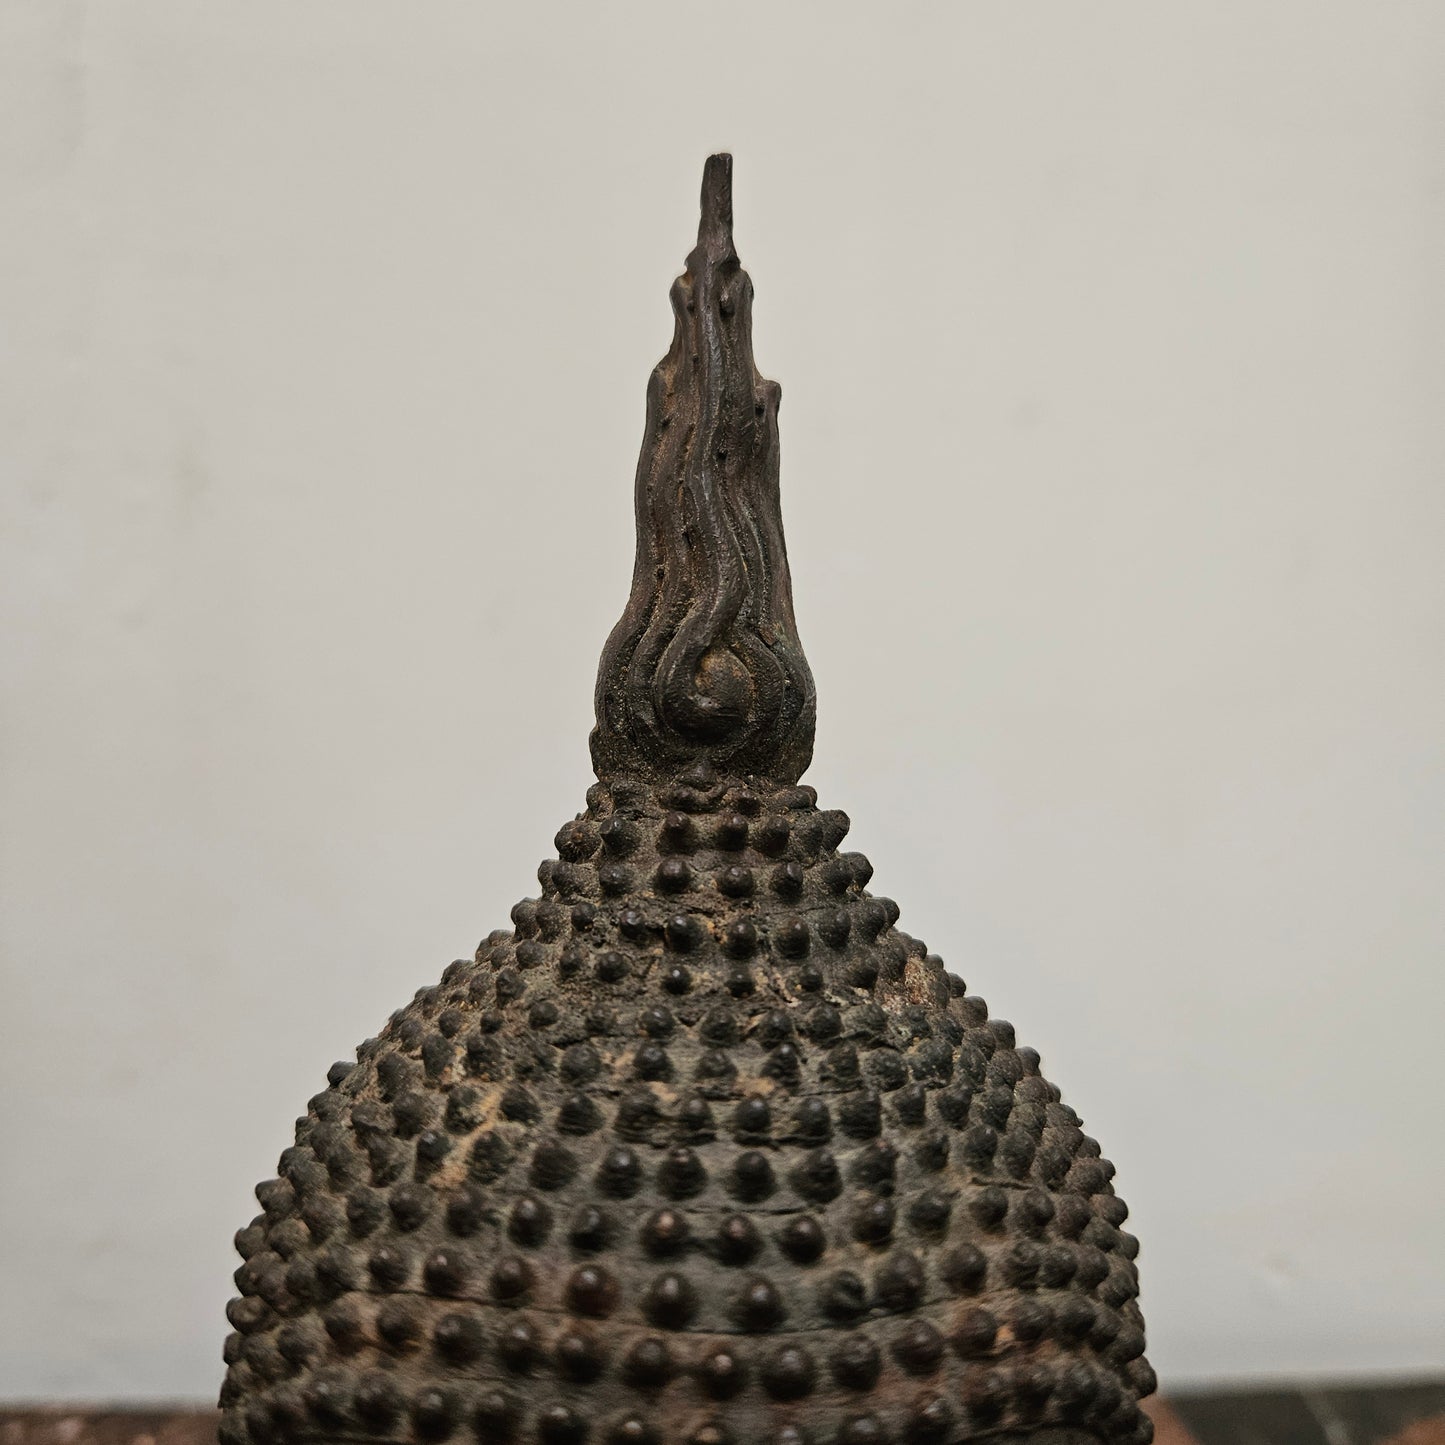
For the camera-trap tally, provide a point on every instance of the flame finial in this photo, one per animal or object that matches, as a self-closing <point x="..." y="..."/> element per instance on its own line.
<point x="705" y="663"/>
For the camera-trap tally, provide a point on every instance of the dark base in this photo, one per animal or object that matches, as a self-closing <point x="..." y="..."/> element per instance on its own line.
<point x="155" y="1427"/>
<point x="1044" y="1437"/>
<point x="1036" y="1437"/>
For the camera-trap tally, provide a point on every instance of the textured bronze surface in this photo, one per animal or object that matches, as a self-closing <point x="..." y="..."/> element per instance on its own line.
<point x="703" y="1149"/>
<point x="55" y="1425"/>
<point x="705" y="662"/>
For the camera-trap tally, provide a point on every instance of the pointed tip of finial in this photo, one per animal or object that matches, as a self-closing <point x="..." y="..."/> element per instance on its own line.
<point x="705" y="662"/>
<point x="715" y="224"/>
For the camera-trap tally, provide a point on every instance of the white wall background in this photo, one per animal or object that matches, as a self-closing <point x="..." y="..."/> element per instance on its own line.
<point x="1113" y="347"/>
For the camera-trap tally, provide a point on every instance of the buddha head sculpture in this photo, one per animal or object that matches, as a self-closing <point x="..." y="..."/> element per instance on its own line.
<point x="703" y="1150"/>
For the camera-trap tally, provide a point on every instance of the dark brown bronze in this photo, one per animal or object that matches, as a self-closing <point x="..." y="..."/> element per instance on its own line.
<point x="703" y="1150"/>
<point x="705" y="664"/>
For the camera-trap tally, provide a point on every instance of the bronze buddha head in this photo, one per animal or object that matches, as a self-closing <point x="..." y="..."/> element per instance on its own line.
<point x="702" y="1150"/>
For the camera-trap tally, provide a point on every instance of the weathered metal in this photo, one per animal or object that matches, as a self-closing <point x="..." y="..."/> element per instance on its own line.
<point x="702" y="1149"/>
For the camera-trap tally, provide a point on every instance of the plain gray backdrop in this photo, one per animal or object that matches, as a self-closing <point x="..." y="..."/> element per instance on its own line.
<point x="1111" y="345"/>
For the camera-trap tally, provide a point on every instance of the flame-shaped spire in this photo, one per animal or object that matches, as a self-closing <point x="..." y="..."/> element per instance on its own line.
<point x="705" y="662"/>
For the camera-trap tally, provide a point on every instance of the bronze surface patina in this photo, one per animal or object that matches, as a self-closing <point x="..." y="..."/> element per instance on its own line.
<point x="703" y="1150"/>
